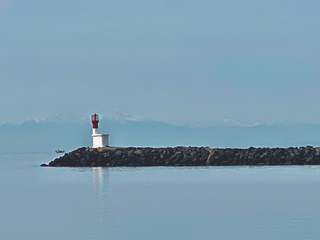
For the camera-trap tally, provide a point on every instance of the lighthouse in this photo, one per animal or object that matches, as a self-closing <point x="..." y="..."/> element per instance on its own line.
<point x="98" y="140"/>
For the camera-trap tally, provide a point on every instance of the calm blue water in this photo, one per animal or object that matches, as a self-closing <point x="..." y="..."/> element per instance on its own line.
<point x="156" y="203"/>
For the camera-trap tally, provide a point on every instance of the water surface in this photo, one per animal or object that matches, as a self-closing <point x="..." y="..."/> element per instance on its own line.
<point x="279" y="202"/>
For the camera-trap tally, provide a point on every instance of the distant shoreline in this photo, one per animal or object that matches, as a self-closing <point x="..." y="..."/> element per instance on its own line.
<point x="186" y="156"/>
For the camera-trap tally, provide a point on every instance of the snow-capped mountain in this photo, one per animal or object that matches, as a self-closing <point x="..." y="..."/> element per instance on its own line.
<point x="73" y="132"/>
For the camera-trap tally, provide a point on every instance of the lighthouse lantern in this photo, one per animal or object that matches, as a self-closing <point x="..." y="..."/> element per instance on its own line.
<point x="95" y="120"/>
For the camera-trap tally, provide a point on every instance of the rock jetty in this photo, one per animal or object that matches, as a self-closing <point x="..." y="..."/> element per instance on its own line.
<point x="186" y="156"/>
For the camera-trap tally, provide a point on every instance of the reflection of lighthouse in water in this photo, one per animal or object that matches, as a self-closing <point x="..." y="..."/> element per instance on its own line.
<point x="100" y="180"/>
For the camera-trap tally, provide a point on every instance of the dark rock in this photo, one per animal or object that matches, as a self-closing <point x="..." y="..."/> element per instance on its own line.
<point x="188" y="156"/>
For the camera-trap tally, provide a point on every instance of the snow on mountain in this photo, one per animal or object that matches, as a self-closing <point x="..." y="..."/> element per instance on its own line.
<point x="122" y="117"/>
<point x="67" y="118"/>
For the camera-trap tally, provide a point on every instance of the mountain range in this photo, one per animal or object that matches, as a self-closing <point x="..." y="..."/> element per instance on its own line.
<point x="48" y="135"/>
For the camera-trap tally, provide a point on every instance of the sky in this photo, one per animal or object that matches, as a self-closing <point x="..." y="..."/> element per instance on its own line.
<point x="181" y="62"/>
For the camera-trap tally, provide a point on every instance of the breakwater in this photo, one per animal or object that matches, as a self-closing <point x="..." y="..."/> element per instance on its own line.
<point x="187" y="156"/>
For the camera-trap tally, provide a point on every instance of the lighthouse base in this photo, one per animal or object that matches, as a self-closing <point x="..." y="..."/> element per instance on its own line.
<point x="100" y="140"/>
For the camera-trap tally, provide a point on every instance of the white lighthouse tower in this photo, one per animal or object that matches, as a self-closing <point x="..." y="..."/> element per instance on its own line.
<point x="98" y="140"/>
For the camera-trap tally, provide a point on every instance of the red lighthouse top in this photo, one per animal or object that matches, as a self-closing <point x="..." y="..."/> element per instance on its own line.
<point x="95" y="120"/>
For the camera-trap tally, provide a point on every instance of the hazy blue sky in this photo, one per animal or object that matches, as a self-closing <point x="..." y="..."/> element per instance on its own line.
<point x="176" y="61"/>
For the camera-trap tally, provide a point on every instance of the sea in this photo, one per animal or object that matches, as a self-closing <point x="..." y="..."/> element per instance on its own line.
<point x="135" y="203"/>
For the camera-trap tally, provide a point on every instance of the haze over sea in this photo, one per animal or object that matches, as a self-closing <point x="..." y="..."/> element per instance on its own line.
<point x="246" y="71"/>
